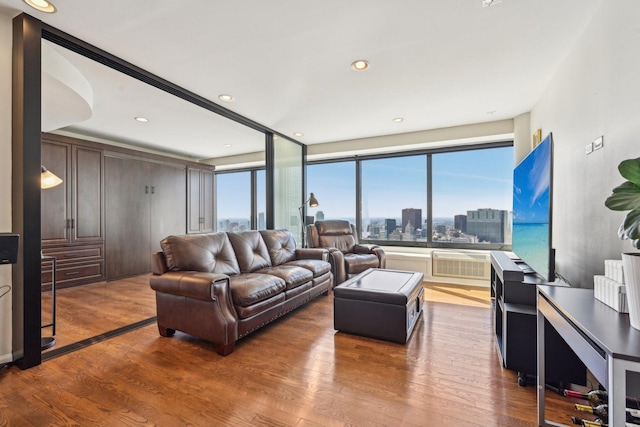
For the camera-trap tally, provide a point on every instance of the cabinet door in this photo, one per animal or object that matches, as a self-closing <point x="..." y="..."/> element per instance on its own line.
<point x="206" y="204"/>
<point x="194" y="216"/>
<point x="127" y="213"/>
<point x="56" y="206"/>
<point x="199" y="201"/>
<point x="86" y="223"/>
<point x="168" y="203"/>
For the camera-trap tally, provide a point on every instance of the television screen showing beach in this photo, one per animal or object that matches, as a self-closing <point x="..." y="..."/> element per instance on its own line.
<point x="531" y="208"/>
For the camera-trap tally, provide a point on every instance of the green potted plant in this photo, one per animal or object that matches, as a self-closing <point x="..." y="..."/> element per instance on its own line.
<point x="626" y="197"/>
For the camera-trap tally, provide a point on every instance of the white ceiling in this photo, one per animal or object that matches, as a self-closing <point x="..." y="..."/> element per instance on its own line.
<point x="287" y="63"/>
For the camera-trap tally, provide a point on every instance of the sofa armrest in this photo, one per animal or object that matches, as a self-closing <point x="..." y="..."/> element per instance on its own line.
<point x="372" y="249"/>
<point x="158" y="263"/>
<point x="312" y="253"/>
<point x="191" y="284"/>
<point x="336" y="258"/>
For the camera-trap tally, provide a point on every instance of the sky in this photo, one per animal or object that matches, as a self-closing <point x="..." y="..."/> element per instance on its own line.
<point x="465" y="180"/>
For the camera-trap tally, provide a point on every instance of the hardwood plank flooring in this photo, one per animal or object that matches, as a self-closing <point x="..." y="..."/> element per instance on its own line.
<point x="86" y="311"/>
<point x="297" y="371"/>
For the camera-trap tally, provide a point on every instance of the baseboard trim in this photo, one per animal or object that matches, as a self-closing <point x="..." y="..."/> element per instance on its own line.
<point x="96" y="339"/>
<point x="6" y="358"/>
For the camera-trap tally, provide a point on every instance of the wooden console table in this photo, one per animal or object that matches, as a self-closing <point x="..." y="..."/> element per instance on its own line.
<point x="600" y="336"/>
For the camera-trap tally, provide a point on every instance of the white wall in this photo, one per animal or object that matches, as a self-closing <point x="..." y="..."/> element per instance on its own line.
<point x="595" y="91"/>
<point x="5" y="179"/>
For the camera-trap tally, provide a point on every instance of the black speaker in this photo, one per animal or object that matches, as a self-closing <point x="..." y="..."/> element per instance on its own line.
<point x="9" y="248"/>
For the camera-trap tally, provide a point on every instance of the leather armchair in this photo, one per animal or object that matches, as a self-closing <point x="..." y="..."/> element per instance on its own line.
<point x="346" y="255"/>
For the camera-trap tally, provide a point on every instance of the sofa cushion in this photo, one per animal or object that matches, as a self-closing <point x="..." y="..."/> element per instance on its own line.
<point x="293" y="276"/>
<point x="316" y="266"/>
<point x="281" y="246"/>
<point x="250" y="288"/>
<point x="251" y="251"/>
<point x="357" y="263"/>
<point x="209" y="253"/>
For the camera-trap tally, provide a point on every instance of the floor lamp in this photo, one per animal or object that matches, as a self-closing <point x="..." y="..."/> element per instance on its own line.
<point x="49" y="180"/>
<point x="313" y="203"/>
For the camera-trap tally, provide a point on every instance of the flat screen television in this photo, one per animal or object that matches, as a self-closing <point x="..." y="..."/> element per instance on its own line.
<point x="532" y="197"/>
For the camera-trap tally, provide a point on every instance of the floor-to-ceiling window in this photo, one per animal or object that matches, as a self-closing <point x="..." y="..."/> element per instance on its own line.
<point x="394" y="198"/>
<point x="334" y="185"/>
<point x="261" y="199"/>
<point x="233" y="201"/>
<point x="240" y="200"/>
<point x="448" y="197"/>
<point x="472" y="196"/>
<point x="288" y="186"/>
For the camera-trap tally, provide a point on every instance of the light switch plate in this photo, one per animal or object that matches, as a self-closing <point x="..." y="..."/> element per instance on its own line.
<point x="597" y="144"/>
<point x="589" y="148"/>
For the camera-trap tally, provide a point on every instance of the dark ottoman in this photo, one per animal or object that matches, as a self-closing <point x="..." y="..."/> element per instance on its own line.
<point x="378" y="303"/>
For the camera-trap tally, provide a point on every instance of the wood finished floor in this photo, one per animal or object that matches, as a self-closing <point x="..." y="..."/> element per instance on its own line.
<point x="297" y="371"/>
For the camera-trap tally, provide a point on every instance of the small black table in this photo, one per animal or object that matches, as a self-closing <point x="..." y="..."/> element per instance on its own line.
<point x="379" y="303"/>
<point x="600" y="336"/>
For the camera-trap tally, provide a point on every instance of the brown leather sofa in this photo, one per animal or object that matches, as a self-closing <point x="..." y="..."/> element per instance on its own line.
<point x="346" y="255"/>
<point x="222" y="286"/>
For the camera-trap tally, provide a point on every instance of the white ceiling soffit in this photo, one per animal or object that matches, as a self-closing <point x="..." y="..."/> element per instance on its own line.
<point x="174" y="125"/>
<point x="434" y="63"/>
<point x="67" y="97"/>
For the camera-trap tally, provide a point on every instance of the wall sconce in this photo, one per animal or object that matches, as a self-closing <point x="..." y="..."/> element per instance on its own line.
<point x="48" y="179"/>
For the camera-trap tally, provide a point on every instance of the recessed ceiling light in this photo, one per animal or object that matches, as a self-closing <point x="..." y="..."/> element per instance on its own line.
<point x="398" y="120"/>
<point x="360" y="65"/>
<point x="142" y="119"/>
<point x="491" y="113"/>
<point x="41" y="5"/>
<point x="298" y="134"/>
<point x="226" y="98"/>
<point x="227" y="145"/>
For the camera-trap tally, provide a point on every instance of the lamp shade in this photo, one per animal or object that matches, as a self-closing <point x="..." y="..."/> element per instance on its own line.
<point x="48" y="179"/>
<point x="313" y="202"/>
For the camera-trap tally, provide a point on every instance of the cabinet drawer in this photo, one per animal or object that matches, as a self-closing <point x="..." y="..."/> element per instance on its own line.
<point x="75" y="253"/>
<point x="77" y="274"/>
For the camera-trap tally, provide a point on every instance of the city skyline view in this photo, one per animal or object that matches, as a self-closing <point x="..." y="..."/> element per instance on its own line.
<point x="462" y="181"/>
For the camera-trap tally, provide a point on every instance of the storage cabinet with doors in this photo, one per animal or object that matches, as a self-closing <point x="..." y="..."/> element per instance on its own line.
<point x="72" y="223"/>
<point x="200" y="200"/>
<point x="145" y="202"/>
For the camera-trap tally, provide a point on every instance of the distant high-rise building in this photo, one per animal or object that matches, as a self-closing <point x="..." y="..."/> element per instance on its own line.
<point x="460" y="223"/>
<point x="320" y="216"/>
<point x="261" y="221"/>
<point x="413" y="216"/>
<point x="441" y="228"/>
<point x="390" y="226"/>
<point x="489" y="225"/>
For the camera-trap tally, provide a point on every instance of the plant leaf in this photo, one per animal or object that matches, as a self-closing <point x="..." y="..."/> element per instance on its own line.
<point x="631" y="224"/>
<point x="624" y="199"/>
<point x="621" y="233"/>
<point x="626" y="186"/>
<point x="630" y="169"/>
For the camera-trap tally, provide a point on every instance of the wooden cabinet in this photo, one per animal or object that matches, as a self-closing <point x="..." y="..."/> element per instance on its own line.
<point x="145" y="202"/>
<point x="72" y="213"/>
<point x="200" y="200"/>
<point x="114" y="206"/>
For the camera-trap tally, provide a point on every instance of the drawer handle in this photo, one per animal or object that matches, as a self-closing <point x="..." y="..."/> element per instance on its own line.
<point x="72" y="273"/>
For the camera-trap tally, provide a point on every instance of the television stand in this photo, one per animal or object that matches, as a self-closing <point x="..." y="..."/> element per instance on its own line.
<point x="513" y="304"/>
